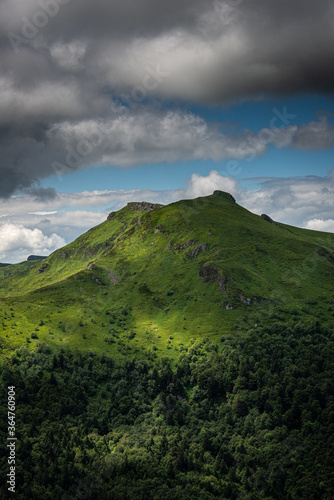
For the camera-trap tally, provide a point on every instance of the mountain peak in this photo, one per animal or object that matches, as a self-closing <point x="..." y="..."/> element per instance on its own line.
<point x="223" y="194"/>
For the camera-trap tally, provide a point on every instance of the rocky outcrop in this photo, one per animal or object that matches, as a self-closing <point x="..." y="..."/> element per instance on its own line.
<point x="210" y="274"/>
<point x="97" y="280"/>
<point x="43" y="268"/>
<point x="323" y="252"/>
<point x="268" y="219"/>
<point x="194" y="252"/>
<point x="245" y="300"/>
<point x="136" y="206"/>
<point x="160" y="229"/>
<point x="184" y="246"/>
<point x="143" y="206"/>
<point x="112" y="276"/>
<point x="223" y="194"/>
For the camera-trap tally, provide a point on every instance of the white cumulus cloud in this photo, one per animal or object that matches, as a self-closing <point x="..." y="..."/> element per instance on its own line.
<point x="321" y="225"/>
<point x="205" y="185"/>
<point x="17" y="241"/>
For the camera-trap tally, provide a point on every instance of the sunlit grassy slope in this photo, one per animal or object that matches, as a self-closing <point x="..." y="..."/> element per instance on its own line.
<point x="153" y="279"/>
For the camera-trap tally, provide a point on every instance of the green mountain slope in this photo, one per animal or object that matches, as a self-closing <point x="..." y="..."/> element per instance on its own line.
<point x="153" y="277"/>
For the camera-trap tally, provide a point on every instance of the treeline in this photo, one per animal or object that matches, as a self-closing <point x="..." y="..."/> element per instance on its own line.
<point x="250" y="418"/>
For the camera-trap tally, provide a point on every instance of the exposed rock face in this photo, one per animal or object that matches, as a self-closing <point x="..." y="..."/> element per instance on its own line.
<point x="143" y="206"/>
<point x="194" y="252"/>
<point x="323" y="252"/>
<point x="268" y="219"/>
<point x="246" y="301"/>
<point x="43" y="268"/>
<point x="209" y="274"/>
<point x="185" y="245"/>
<point x="160" y="229"/>
<point x="99" y="282"/>
<point x="137" y="206"/>
<point x="197" y="250"/>
<point x="223" y="194"/>
<point x="112" y="276"/>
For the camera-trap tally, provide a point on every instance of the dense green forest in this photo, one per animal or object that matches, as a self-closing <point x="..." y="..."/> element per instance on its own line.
<point x="246" y="418"/>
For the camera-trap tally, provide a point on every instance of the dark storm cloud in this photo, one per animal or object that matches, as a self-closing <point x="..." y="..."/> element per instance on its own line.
<point x="10" y="180"/>
<point x="111" y="18"/>
<point x="42" y="194"/>
<point x="63" y="61"/>
<point x="315" y="136"/>
<point x="255" y="46"/>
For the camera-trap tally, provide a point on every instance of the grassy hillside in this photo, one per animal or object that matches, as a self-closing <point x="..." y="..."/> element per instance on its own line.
<point x="153" y="277"/>
<point x="180" y="351"/>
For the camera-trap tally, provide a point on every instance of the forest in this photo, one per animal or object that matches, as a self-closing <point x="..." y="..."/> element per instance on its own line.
<point x="249" y="417"/>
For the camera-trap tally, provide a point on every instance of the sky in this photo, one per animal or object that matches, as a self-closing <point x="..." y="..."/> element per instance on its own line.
<point x="104" y="102"/>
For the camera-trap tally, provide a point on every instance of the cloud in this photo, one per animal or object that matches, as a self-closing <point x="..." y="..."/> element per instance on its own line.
<point x="71" y="69"/>
<point x="321" y="225"/>
<point x="42" y="194"/>
<point x="148" y="137"/>
<point x="87" y="208"/>
<point x="11" y="181"/>
<point x="141" y="137"/>
<point x="293" y="201"/>
<point x="125" y="140"/>
<point x="314" y="136"/>
<point x="212" y="52"/>
<point x="17" y="241"/>
<point x="205" y="185"/>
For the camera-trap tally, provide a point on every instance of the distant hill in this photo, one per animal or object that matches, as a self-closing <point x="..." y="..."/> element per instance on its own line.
<point x="31" y="257"/>
<point x="154" y="276"/>
<point x="36" y="257"/>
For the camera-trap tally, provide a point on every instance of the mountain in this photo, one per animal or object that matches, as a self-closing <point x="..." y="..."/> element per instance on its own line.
<point x="181" y="351"/>
<point x="154" y="277"/>
<point x="36" y="257"/>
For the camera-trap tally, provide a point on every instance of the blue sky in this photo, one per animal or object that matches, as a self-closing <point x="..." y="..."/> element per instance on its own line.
<point x="253" y="116"/>
<point x="171" y="176"/>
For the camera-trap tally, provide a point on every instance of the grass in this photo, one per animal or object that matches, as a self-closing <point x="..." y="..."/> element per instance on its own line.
<point x="196" y="268"/>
